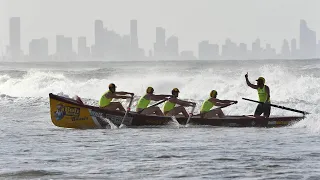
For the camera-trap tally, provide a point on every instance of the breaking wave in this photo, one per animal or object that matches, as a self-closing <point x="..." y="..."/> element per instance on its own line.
<point x="290" y="86"/>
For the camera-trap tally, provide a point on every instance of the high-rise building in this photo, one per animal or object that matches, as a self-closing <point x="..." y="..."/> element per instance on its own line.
<point x="208" y="51"/>
<point x="160" y="45"/>
<point x="229" y="50"/>
<point x="256" y="49"/>
<point x="243" y="51"/>
<point x="83" y="50"/>
<point x="99" y="36"/>
<point x="39" y="49"/>
<point x="294" y="50"/>
<point x="15" y="38"/>
<point x="269" y="52"/>
<point x="126" y="47"/>
<point x="285" y="50"/>
<point x="308" y="41"/>
<point x="318" y="49"/>
<point x="134" y="34"/>
<point x="64" y="49"/>
<point x="173" y="47"/>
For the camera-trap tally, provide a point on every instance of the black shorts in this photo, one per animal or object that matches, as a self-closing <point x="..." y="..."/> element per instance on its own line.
<point x="263" y="108"/>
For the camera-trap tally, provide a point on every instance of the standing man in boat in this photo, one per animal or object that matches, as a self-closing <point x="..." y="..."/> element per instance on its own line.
<point x="212" y="101"/>
<point x="169" y="108"/>
<point x="144" y="101"/>
<point x="264" y="96"/>
<point x="107" y="97"/>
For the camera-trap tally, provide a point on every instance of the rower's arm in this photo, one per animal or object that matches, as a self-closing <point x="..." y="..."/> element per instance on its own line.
<point x="184" y="103"/>
<point x="124" y="93"/>
<point x="122" y="97"/>
<point x="116" y="96"/>
<point x="268" y="93"/>
<point x="249" y="83"/>
<point x="159" y="97"/>
<point x="218" y="102"/>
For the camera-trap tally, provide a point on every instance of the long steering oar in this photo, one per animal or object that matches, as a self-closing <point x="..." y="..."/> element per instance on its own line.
<point x="160" y="102"/>
<point x="190" y="115"/>
<point x="277" y="106"/>
<point x="126" y="114"/>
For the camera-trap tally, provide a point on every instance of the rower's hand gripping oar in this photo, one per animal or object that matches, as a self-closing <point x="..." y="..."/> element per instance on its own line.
<point x="126" y="114"/>
<point x="232" y="103"/>
<point x="281" y="107"/>
<point x="191" y="114"/>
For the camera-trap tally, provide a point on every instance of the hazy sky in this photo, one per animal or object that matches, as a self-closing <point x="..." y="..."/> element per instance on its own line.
<point x="190" y="20"/>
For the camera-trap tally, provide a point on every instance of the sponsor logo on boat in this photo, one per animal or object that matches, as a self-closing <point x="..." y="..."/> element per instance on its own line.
<point x="113" y="118"/>
<point x="95" y="114"/>
<point x="72" y="111"/>
<point x="59" y="113"/>
<point x="79" y="118"/>
<point x="63" y="111"/>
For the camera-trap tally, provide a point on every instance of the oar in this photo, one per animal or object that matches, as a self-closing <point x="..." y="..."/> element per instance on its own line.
<point x="190" y="115"/>
<point x="221" y="107"/>
<point x="225" y="106"/>
<point x="126" y="114"/>
<point x="160" y="102"/>
<point x="277" y="106"/>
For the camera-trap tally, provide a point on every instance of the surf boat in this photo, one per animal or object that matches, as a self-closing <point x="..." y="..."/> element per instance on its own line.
<point x="70" y="113"/>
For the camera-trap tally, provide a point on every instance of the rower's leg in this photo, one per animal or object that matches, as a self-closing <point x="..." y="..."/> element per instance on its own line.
<point x="114" y="106"/>
<point x="211" y="114"/>
<point x="220" y="113"/>
<point x="177" y="110"/>
<point x="120" y="107"/>
<point x="259" y="110"/>
<point x="152" y="110"/>
<point x="266" y="110"/>
<point x="183" y="110"/>
<point x="158" y="111"/>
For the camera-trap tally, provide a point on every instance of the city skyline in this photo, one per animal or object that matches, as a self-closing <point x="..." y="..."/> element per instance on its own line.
<point x="192" y="21"/>
<point x="109" y="45"/>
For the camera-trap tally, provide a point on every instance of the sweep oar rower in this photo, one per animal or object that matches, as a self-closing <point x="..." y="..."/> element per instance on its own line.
<point x="107" y="97"/>
<point x="206" y="110"/>
<point x="264" y="96"/>
<point x="169" y="108"/>
<point x="144" y="101"/>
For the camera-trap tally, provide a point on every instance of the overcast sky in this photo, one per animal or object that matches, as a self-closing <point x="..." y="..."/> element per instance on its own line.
<point x="190" y="20"/>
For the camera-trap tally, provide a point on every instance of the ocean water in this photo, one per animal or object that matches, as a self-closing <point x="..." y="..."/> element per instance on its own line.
<point x="33" y="148"/>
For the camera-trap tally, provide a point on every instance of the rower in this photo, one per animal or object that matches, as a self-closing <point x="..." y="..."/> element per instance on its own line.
<point x="144" y="101"/>
<point x="169" y="108"/>
<point x="206" y="110"/>
<point x="264" y="96"/>
<point x="107" y="97"/>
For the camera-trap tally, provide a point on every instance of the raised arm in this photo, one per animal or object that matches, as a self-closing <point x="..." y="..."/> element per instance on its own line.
<point x="249" y="83"/>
